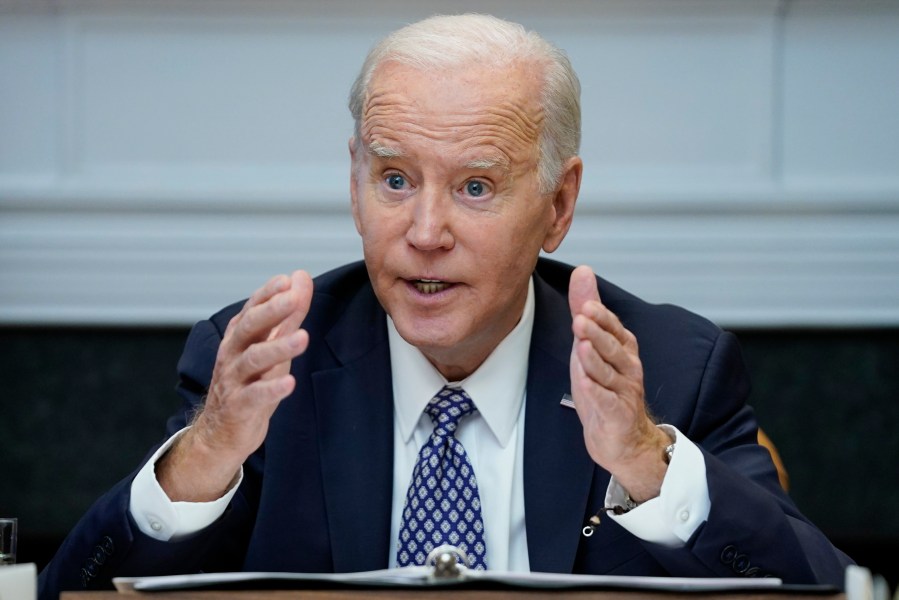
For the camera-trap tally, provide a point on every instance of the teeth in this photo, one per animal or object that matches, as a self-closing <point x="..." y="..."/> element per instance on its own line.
<point x="430" y="286"/>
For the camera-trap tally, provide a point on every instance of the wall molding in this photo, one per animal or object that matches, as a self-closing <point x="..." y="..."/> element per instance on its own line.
<point x="849" y="198"/>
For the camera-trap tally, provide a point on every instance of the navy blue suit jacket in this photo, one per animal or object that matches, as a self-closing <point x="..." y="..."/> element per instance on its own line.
<point x="316" y="497"/>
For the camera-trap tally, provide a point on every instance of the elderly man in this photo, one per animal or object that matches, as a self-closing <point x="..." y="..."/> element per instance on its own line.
<point x="455" y="388"/>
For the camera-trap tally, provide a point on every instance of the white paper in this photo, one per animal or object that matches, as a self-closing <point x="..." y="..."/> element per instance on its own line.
<point x="422" y="576"/>
<point x="18" y="582"/>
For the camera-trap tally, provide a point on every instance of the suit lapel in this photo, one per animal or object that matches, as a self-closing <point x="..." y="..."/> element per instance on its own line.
<point x="354" y="414"/>
<point x="558" y="472"/>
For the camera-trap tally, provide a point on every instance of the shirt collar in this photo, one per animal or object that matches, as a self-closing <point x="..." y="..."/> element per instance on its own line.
<point x="497" y="387"/>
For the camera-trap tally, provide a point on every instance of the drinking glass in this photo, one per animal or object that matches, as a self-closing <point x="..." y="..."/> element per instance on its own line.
<point x="8" y="527"/>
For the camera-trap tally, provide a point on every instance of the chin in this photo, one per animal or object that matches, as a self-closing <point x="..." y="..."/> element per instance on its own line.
<point x="425" y="334"/>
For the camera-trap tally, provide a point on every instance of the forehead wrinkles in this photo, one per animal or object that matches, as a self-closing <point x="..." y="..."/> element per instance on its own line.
<point x="512" y="127"/>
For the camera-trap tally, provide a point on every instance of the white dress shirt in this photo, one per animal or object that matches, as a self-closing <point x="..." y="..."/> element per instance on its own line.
<point x="493" y="438"/>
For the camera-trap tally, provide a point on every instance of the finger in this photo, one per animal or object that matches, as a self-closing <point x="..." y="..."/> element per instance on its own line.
<point x="591" y="398"/>
<point x="261" y="358"/>
<point x="302" y="288"/>
<point x="604" y="393"/>
<point x="581" y="288"/>
<point x="608" y="321"/>
<point x="595" y="367"/>
<point x="268" y="391"/>
<point x="623" y="356"/>
<point x="301" y="285"/>
<point x="259" y="322"/>
<point x="270" y="288"/>
<point x="580" y="381"/>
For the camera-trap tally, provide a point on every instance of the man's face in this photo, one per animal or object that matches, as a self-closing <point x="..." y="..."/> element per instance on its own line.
<point x="446" y="199"/>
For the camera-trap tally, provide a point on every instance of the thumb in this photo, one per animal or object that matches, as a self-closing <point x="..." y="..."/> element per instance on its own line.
<point x="581" y="288"/>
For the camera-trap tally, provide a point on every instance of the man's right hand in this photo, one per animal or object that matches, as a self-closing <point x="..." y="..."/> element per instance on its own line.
<point x="250" y="378"/>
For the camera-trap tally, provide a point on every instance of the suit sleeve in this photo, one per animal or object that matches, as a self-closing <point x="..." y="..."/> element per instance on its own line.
<point x="753" y="528"/>
<point x="106" y="542"/>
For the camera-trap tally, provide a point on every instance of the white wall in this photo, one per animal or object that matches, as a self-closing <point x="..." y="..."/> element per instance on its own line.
<point x="161" y="158"/>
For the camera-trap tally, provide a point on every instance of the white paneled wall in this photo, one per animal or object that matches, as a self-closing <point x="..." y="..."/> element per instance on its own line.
<point x="161" y="158"/>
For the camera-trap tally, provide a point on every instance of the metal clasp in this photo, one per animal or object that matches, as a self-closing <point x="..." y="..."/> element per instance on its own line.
<point x="446" y="561"/>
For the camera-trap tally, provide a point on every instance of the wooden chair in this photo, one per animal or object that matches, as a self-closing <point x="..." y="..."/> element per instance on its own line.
<point x="782" y="475"/>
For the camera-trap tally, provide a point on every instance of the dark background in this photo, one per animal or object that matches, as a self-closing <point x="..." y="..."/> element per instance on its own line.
<point x="80" y="408"/>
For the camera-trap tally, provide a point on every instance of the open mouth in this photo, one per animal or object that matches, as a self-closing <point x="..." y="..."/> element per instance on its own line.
<point x="430" y="286"/>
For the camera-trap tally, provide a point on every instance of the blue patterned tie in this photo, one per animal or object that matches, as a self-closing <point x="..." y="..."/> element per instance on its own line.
<point x="443" y="505"/>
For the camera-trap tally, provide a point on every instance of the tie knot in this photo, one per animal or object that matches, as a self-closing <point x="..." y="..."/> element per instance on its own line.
<point x="448" y="407"/>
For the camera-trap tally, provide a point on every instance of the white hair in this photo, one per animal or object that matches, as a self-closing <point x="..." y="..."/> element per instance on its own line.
<point x="451" y="40"/>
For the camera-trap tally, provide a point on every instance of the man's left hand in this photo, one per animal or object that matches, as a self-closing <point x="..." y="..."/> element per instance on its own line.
<point x="607" y="388"/>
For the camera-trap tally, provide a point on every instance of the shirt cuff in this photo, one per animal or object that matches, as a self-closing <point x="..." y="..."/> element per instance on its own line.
<point x="682" y="505"/>
<point x="160" y="518"/>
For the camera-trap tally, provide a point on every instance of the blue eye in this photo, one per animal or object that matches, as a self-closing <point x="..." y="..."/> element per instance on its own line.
<point x="396" y="182"/>
<point x="475" y="188"/>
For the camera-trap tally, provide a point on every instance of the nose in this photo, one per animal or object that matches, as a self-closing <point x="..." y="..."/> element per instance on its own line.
<point x="430" y="222"/>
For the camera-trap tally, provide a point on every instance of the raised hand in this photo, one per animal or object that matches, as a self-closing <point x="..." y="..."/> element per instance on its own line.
<point x="607" y="388"/>
<point x="250" y="378"/>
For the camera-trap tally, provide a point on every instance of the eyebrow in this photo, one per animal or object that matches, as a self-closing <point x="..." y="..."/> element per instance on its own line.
<point x="489" y="163"/>
<point x="382" y="151"/>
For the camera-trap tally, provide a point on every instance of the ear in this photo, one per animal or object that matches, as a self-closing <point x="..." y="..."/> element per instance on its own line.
<point x="564" y="199"/>
<point x="355" y="167"/>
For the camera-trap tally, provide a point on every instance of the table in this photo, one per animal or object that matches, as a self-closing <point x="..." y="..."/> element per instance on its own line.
<point x="445" y="594"/>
